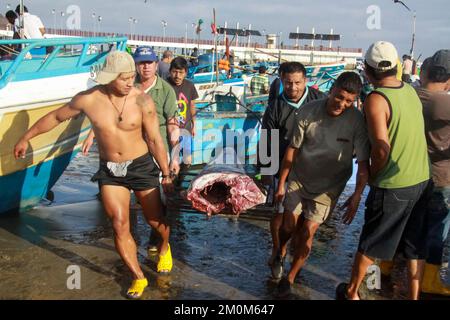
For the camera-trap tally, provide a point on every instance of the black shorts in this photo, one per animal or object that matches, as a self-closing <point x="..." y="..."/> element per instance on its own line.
<point x="395" y="221"/>
<point x="141" y="174"/>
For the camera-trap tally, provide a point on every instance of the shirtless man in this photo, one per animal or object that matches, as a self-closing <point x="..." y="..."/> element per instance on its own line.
<point x="119" y="114"/>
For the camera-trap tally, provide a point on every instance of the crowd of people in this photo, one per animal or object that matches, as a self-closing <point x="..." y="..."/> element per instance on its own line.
<point x="400" y="140"/>
<point x="143" y="115"/>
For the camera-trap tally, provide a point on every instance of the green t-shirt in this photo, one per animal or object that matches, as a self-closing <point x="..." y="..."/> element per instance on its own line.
<point x="408" y="162"/>
<point x="165" y="101"/>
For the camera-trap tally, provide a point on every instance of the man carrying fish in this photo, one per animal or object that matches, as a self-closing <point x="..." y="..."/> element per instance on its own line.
<point x="327" y="134"/>
<point x="280" y="115"/>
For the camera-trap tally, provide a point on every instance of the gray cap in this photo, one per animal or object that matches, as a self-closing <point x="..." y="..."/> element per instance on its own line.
<point x="442" y="59"/>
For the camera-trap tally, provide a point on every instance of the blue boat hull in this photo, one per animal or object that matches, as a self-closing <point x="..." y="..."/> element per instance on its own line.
<point x="217" y="130"/>
<point x="33" y="183"/>
<point x="324" y="71"/>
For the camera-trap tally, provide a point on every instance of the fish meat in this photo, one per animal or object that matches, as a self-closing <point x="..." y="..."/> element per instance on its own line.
<point x="224" y="188"/>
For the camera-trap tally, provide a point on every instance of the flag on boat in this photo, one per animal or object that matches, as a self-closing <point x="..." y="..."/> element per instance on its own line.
<point x="213" y="28"/>
<point x="199" y="24"/>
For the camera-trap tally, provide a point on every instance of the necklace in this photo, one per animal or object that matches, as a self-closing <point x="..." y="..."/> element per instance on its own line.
<point x="123" y="106"/>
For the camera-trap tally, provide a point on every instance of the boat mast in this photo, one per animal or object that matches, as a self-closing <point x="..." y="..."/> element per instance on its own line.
<point x="215" y="55"/>
<point x="413" y="35"/>
<point x="21" y="31"/>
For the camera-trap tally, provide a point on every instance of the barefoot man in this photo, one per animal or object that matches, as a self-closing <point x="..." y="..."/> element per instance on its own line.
<point x="120" y="114"/>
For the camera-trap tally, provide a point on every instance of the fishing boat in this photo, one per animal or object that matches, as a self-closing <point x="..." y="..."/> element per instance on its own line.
<point x="320" y="76"/>
<point x="228" y="121"/>
<point x="324" y="71"/>
<point x="32" y="84"/>
<point x="209" y="79"/>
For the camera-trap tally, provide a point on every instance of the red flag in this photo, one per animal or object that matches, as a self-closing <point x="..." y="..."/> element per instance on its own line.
<point x="213" y="28"/>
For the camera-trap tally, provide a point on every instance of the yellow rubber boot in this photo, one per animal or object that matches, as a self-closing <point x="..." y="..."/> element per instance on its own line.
<point x="432" y="283"/>
<point x="386" y="267"/>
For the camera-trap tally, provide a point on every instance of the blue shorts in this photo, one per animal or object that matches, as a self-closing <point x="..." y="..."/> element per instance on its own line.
<point x="438" y="224"/>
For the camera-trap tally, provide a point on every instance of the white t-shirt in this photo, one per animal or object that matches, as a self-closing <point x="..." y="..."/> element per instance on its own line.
<point x="407" y="67"/>
<point x="31" y="26"/>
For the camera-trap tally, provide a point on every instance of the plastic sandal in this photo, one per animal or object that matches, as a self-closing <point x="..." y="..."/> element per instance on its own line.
<point x="137" y="288"/>
<point x="165" y="262"/>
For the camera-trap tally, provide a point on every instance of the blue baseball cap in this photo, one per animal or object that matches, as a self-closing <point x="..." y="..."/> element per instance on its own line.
<point x="144" y="53"/>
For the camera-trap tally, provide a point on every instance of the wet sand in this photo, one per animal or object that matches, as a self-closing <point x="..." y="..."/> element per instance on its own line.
<point x="218" y="258"/>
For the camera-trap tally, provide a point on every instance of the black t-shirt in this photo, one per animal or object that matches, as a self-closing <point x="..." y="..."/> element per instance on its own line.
<point x="184" y="93"/>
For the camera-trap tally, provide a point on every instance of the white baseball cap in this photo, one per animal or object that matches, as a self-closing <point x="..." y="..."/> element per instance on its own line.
<point x="382" y="56"/>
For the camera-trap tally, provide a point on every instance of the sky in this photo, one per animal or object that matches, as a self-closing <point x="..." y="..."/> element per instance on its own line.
<point x="359" y="22"/>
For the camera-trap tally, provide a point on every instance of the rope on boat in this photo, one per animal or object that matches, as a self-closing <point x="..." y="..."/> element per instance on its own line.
<point x="8" y="49"/>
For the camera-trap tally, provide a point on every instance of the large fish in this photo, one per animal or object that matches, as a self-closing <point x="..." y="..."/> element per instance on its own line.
<point x="224" y="188"/>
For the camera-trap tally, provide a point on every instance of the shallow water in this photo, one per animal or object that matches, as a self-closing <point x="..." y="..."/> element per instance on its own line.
<point x="218" y="258"/>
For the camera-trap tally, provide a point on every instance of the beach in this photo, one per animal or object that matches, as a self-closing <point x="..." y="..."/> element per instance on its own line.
<point x="223" y="257"/>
